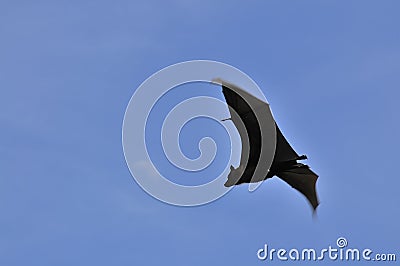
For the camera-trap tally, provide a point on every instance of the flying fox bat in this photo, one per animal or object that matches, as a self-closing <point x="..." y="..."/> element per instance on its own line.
<point x="250" y="116"/>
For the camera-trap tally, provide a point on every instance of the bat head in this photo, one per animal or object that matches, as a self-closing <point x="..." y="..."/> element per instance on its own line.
<point x="233" y="176"/>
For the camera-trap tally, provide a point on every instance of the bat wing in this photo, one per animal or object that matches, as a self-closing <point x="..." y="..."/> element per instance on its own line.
<point x="283" y="151"/>
<point x="302" y="179"/>
<point x="244" y="114"/>
<point x="256" y="126"/>
<point x="244" y="119"/>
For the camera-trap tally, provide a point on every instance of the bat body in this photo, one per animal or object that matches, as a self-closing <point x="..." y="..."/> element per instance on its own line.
<point x="247" y="117"/>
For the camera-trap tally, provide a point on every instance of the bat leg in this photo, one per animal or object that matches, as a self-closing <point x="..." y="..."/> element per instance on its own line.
<point x="302" y="157"/>
<point x="226" y="119"/>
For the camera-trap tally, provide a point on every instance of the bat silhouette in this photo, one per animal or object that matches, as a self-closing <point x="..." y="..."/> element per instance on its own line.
<point x="250" y="116"/>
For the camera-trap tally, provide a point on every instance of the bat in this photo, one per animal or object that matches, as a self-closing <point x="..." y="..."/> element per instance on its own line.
<point x="249" y="115"/>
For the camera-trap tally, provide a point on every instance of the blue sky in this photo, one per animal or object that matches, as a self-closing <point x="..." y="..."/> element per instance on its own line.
<point x="330" y="70"/>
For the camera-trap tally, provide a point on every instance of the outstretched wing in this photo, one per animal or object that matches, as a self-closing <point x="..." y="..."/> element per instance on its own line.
<point x="302" y="179"/>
